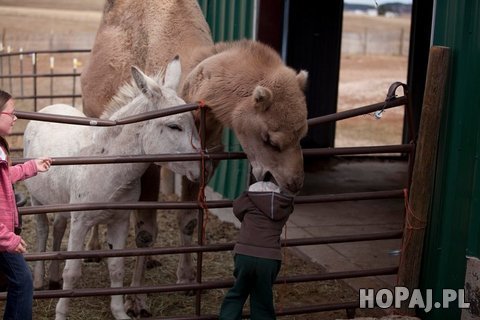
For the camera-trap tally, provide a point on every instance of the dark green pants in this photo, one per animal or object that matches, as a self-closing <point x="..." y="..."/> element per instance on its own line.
<point x="254" y="277"/>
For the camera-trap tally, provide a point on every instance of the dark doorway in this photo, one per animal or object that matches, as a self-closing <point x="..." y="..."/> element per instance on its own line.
<point x="309" y="35"/>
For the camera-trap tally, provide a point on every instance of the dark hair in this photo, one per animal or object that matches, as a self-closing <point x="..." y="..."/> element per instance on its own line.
<point x="4" y="97"/>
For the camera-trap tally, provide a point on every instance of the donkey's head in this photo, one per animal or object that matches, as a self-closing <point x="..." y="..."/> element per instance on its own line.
<point x="170" y="134"/>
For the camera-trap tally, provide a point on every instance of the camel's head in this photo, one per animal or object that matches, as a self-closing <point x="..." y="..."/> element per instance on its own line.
<point x="270" y="124"/>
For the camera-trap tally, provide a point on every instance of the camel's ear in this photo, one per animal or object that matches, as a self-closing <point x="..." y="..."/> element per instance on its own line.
<point x="144" y="83"/>
<point x="173" y="73"/>
<point x="263" y="98"/>
<point x="302" y="78"/>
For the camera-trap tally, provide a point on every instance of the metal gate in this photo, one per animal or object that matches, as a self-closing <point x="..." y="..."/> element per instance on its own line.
<point x="12" y="79"/>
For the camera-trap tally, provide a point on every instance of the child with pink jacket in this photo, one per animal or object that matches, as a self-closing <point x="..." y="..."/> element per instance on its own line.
<point x="12" y="262"/>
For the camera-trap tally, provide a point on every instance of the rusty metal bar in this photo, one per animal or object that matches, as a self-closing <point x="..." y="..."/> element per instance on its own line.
<point x="284" y="312"/>
<point x="45" y="52"/>
<point x="124" y="159"/>
<point x="34" y="68"/>
<point x="189" y="107"/>
<point x="338" y="275"/>
<point x="64" y="255"/>
<point x="358" y="111"/>
<point x="21" y="70"/>
<point x="40" y="75"/>
<point x="319" y="308"/>
<point x="404" y="148"/>
<point x="1" y="56"/>
<point x="47" y="96"/>
<point x="97" y="122"/>
<point x="74" y="82"/>
<point x="9" y="65"/>
<point x="95" y="292"/>
<point x="351" y="196"/>
<point x="52" y="67"/>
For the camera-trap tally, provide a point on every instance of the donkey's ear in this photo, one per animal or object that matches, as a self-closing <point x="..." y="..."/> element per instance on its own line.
<point x="144" y="83"/>
<point x="173" y="73"/>
<point x="302" y="78"/>
<point x="262" y="97"/>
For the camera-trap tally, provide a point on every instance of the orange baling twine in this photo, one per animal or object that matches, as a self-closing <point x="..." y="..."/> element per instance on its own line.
<point x="410" y="221"/>
<point x="201" y="198"/>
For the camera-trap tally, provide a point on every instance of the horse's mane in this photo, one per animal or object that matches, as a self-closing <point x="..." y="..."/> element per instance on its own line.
<point x="126" y="94"/>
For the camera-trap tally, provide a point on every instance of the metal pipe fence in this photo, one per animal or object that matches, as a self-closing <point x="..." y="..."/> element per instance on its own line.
<point x="391" y="101"/>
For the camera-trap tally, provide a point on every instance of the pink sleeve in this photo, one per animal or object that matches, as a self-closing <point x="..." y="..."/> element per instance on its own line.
<point x="8" y="240"/>
<point x="23" y="171"/>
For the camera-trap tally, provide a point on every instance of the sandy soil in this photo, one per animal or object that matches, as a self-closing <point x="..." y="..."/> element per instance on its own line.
<point x="82" y="5"/>
<point x="365" y="80"/>
<point x="48" y="20"/>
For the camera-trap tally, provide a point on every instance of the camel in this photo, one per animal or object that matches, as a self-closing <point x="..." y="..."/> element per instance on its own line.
<point x="245" y="85"/>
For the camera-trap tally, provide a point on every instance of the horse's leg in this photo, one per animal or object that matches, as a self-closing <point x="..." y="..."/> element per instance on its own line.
<point x="42" y="227"/>
<point x="187" y="222"/>
<point x="59" y="226"/>
<point x="146" y="234"/>
<point x="93" y="243"/>
<point x="73" y="267"/>
<point x="117" y="232"/>
<point x="135" y="304"/>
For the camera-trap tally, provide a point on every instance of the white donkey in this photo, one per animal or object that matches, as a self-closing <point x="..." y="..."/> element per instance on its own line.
<point x="106" y="182"/>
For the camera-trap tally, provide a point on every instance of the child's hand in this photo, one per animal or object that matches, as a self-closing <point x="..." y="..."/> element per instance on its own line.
<point x="22" y="247"/>
<point x="43" y="164"/>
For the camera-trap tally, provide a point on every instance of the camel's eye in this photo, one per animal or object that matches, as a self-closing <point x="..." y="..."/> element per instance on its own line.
<point x="275" y="146"/>
<point x="268" y="141"/>
<point x="174" y="126"/>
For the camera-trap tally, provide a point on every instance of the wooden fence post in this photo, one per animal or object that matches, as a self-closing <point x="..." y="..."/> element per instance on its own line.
<point x="423" y="171"/>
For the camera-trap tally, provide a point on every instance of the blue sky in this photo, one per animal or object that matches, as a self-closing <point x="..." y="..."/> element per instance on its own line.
<point x="372" y="2"/>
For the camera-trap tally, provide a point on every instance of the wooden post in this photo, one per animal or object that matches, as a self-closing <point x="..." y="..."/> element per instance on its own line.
<point x="421" y="188"/>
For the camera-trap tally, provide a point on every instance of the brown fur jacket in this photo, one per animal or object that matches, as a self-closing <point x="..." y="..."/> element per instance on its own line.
<point x="263" y="215"/>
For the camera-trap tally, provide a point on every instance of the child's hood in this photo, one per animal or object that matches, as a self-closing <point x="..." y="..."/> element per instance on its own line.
<point x="274" y="205"/>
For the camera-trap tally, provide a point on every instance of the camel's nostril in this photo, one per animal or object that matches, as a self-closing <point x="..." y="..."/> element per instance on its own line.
<point x="295" y="186"/>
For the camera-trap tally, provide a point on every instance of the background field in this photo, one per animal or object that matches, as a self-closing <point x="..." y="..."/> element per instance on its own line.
<point x="364" y="79"/>
<point x="364" y="75"/>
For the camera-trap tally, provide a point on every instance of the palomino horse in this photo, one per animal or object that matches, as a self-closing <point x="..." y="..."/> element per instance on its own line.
<point x="245" y="85"/>
<point x="107" y="182"/>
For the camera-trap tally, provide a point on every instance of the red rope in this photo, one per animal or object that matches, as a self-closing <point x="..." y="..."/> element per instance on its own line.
<point x="410" y="221"/>
<point x="201" y="198"/>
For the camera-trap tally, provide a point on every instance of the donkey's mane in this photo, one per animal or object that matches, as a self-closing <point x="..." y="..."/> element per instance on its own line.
<point x="125" y="95"/>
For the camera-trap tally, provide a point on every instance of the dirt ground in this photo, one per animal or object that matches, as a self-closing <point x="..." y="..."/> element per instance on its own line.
<point x="363" y="80"/>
